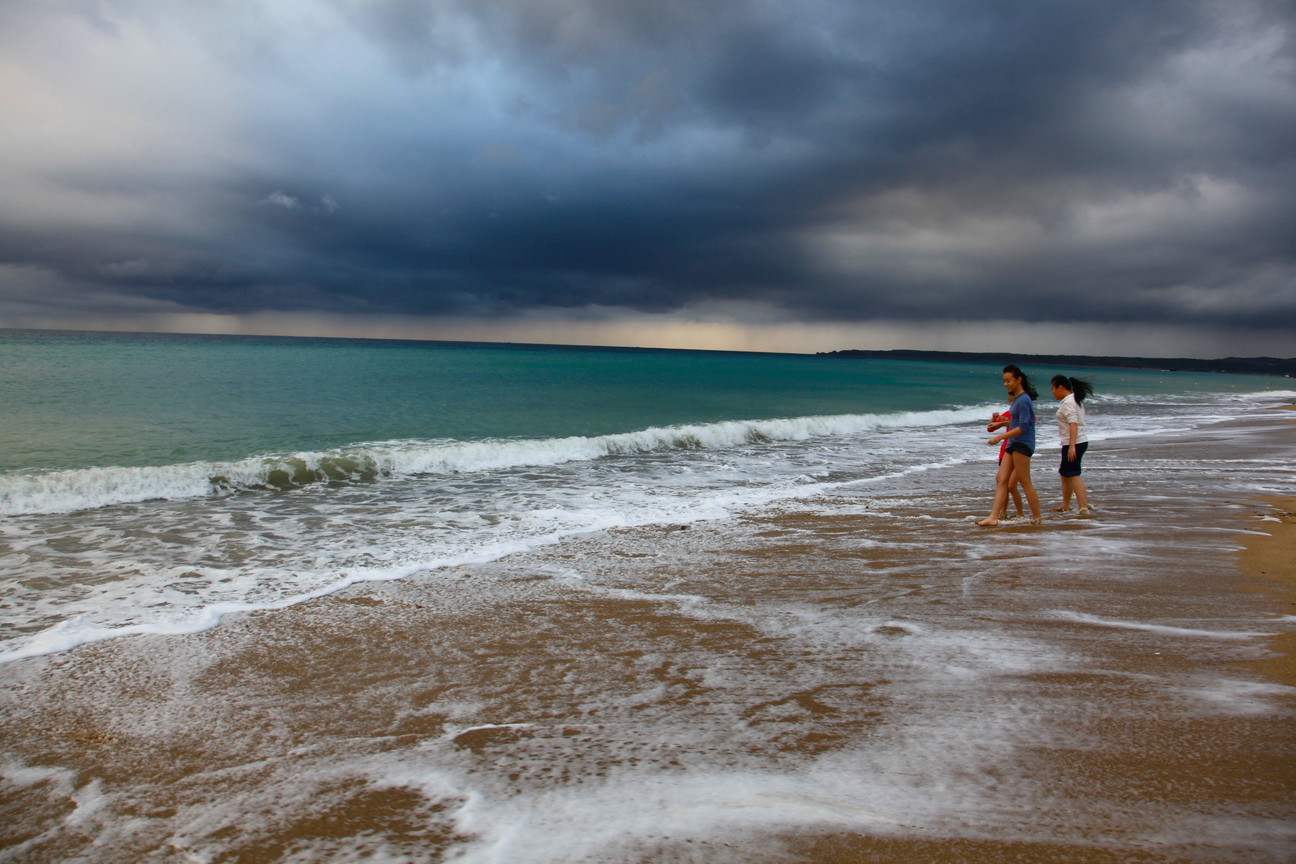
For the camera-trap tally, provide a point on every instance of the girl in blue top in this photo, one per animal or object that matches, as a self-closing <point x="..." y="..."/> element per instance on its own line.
<point x="1020" y="436"/>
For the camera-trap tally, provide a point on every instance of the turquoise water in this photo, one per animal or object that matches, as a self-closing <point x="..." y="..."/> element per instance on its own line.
<point x="75" y="400"/>
<point x="152" y="484"/>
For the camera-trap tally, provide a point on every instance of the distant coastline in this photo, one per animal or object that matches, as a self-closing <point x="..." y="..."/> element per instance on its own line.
<point x="1233" y="365"/>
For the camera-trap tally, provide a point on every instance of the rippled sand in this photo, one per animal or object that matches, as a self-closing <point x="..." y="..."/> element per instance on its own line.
<point x="855" y="679"/>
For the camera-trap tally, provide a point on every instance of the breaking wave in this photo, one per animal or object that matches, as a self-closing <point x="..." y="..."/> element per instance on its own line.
<point x="81" y="489"/>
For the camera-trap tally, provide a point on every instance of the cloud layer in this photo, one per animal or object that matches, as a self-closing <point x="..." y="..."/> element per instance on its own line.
<point x="827" y="161"/>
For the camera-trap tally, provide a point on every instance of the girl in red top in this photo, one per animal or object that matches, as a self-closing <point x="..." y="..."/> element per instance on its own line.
<point x="998" y="421"/>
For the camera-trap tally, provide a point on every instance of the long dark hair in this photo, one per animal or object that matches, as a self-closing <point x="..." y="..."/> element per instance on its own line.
<point x="1079" y="386"/>
<point x="1026" y="384"/>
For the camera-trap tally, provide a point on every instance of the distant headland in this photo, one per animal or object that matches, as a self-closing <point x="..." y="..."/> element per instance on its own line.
<point x="1234" y="365"/>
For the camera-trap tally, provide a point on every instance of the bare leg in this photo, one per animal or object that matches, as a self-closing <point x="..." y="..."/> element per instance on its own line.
<point x="1082" y="494"/>
<point x="1001" y="493"/>
<point x="1016" y="496"/>
<point x="1022" y="463"/>
<point x="997" y="515"/>
<point x="1066" y="496"/>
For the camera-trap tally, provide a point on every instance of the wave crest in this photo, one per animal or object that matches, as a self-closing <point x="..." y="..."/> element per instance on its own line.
<point x="80" y="489"/>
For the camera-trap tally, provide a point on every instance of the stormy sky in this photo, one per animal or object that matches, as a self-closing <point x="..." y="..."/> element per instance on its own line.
<point x="824" y="174"/>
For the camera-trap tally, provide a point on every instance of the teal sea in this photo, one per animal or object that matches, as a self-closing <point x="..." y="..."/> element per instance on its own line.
<point x="156" y="482"/>
<point x="81" y="400"/>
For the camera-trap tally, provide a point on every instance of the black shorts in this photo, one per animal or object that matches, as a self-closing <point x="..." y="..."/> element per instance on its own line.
<point x="1014" y="447"/>
<point x="1069" y="468"/>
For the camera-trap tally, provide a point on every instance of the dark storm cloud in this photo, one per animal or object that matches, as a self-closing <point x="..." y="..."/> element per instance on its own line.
<point x="836" y="160"/>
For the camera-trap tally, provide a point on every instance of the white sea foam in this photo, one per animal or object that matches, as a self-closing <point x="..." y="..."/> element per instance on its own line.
<point x="1237" y="696"/>
<point x="1267" y="395"/>
<point x="212" y="549"/>
<point x="82" y="489"/>
<point x="176" y="589"/>
<point x="65" y="491"/>
<point x="1192" y="632"/>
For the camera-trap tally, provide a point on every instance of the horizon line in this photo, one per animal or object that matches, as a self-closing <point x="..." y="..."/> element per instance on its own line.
<point x="863" y="353"/>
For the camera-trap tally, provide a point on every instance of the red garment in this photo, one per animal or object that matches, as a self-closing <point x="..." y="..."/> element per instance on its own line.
<point x="1003" y="445"/>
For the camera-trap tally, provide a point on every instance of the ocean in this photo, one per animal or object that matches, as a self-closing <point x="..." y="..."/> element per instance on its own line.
<point x="681" y="583"/>
<point x="153" y="483"/>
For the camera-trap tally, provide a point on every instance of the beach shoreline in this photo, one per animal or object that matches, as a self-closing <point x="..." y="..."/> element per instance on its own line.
<point x="857" y="677"/>
<point x="1268" y="558"/>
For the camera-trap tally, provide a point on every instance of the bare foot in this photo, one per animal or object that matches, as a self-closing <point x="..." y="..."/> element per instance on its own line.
<point x="1037" y="522"/>
<point x="1063" y="509"/>
<point x="988" y="522"/>
<point x="1084" y="511"/>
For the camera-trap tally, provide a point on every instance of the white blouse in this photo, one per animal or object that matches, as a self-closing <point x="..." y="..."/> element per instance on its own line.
<point x="1070" y="411"/>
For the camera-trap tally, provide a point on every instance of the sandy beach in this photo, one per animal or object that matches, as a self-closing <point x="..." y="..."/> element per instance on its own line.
<point x="861" y="678"/>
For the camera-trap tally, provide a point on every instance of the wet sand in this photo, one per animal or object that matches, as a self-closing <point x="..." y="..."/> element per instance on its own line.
<point x="862" y="678"/>
<point x="1269" y="559"/>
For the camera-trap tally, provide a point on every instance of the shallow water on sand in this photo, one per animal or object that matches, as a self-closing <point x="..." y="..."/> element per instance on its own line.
<point x="848" y="674"/>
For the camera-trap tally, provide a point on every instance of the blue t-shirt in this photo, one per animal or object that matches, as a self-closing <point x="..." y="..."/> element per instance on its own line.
<point x="1021" y="416"/>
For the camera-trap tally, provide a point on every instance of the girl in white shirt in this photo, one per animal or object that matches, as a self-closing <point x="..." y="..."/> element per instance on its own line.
<point x="1071" y="392"/>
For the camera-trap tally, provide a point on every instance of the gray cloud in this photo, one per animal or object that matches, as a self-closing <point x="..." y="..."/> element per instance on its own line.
<point x="1095" y="161"/>
<point x="279" y="199"/>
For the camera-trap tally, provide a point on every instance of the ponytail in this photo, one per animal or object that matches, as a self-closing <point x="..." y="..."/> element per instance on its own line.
<point x="1079" y="386"/>
<point x="1021" y="376"/>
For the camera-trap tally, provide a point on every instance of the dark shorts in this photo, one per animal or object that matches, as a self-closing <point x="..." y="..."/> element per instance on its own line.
<point x="1069" y="468"/>
<point x="1014" y="447"/>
